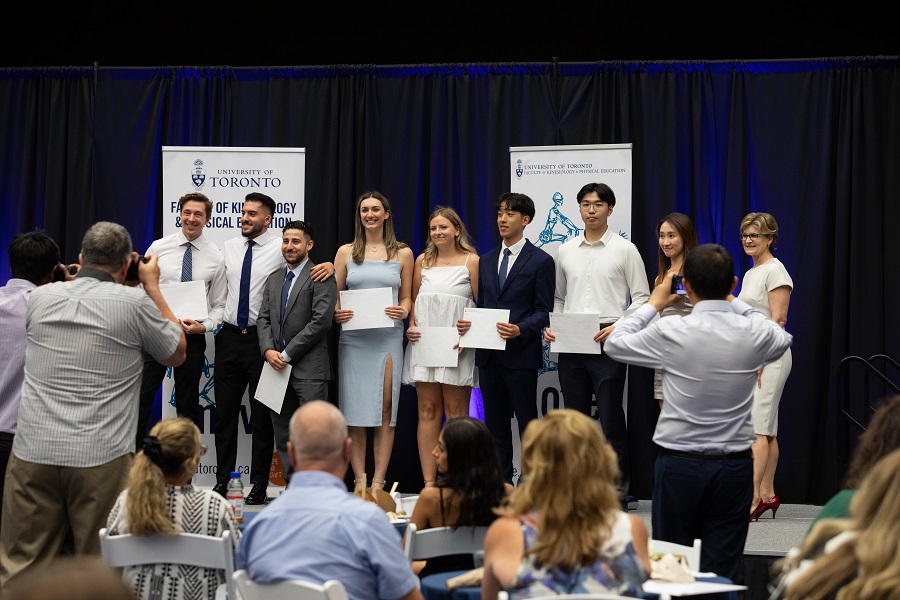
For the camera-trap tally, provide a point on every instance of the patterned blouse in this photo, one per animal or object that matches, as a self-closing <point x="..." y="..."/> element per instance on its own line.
<point x="193" y="511"/>
<point x="617" y="569"/>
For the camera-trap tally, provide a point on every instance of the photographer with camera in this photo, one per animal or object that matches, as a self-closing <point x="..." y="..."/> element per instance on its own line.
<point x="78" y="410"/>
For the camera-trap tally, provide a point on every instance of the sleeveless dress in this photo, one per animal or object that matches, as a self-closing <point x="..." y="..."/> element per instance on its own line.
<point x="444" y="294"/>
<point x="362" y="353"/>
<point x="755" y="288"/>
<point x="618" y="569"/>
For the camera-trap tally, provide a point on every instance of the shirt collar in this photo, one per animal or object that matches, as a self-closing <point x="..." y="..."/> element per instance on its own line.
<point x="515" y="248"/>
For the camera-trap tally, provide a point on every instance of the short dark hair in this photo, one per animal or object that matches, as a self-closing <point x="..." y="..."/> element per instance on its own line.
<point x="301" y="225"/>
<point x="601" y="189"/>
<point x="517" y="202"/>
<point x="197" y="197"/>
<point x="262" y="199"/>
<point x="709" y="269"/>
<point x="32" y="256"/>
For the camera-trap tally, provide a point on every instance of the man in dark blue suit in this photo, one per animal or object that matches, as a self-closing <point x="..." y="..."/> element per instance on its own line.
<point x="518" y="276"/>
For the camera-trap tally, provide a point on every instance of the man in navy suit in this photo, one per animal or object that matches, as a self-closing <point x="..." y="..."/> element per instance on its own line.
<point x="518" y="276"/>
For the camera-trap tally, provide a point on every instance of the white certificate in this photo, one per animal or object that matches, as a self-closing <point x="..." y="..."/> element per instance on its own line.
<point x="575" y="333"/>
<point x="368" y="308"/>
<point x="187" y="299"/>
<point x="483" y="332"/>
<point x="272" y="386"/>
<point x="435" y="348"/>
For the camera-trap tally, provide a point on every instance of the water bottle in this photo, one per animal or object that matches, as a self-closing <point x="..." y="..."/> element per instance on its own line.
<point x="235" y="496"/>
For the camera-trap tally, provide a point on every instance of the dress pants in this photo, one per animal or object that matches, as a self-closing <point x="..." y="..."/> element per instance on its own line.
<point x="187" y="385"/>
<point x="507" y="392"/>
<point x="238" y="368"/>
<point x="706" y="499"/>
<point x="299" y="392"/>
<point x="584" y="375"/>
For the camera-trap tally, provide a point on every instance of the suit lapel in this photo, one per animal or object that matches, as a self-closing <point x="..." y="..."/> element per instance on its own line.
<point x="523" y="257"/>
<point x="302" y="281"/>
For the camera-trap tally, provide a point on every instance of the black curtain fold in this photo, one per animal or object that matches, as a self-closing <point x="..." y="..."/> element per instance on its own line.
<point x="814" y="142"/>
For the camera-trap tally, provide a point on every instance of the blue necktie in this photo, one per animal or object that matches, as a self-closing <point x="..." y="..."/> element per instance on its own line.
<point x="243" y="312"/>
<point x="285" y="290"/>
<point x="186" y="263"/>
<point x="504" y="265"/>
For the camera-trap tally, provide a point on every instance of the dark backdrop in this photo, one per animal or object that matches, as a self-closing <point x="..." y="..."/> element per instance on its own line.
<point x="815" y="142"/>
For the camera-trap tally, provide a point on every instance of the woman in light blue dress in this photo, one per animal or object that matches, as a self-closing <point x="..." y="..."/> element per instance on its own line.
<point x="370" y="360"/>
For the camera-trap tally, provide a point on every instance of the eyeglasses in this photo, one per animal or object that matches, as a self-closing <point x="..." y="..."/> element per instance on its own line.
<point x="594" y="205"/>
<point x="203" y="449"/>
<point x="752" y="236"/>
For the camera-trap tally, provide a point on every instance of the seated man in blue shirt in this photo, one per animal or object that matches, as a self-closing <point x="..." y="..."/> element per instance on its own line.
<point x="317" y="530"/>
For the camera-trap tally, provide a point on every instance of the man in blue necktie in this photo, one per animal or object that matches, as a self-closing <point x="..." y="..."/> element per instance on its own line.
<point x="185" y="256"/>
<point x="293" y="325"/>
<point x="519" y="276"/>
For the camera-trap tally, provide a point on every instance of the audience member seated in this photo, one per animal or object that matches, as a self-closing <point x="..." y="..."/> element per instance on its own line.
<point x="562" y="530"/>
<point x="79" y="577"/>
<point x="855" y="558"/>
<point x="161" y="500"/>
<point x="316" y="531"/>
<point x="469" y="487"/>
<point x="881" y="438"/>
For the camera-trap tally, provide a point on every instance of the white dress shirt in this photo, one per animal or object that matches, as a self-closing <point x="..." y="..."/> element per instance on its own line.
<point x="708" y="360"/>
<point x="606" y="277"/>
<point x="514" y="252"/>
<point x="208" y="265"/>
<point x="267" y="258"/>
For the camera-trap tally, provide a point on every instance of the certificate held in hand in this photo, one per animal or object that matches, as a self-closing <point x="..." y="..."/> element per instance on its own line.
<point x="368" y="308"/>
<point x="435" y="348"/>
<point x="483" y="332"/>
<point x="575" y="333"/>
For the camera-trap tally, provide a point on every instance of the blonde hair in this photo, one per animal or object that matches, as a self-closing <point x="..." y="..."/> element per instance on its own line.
<point x="869" y="563"/>
<point x="569" y="476"/>
<point x="391" y="245"/>
<point x="462" y="242"/>
<point x="765" y="223"/>
<point x="171" y="442"/>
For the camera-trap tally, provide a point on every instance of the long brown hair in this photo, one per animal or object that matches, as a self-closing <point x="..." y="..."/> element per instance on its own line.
<point x="685" y="228"/>
<point x="569" y="477"/>
<point x="462" y="242"/>
<point x="391" y="245"/>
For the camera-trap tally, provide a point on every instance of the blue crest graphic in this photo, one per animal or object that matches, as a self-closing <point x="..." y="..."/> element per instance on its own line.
<point x="198" y="174"/>
<point x="519" y="169"/>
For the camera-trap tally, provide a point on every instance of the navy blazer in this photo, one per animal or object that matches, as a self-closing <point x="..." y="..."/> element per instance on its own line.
<point x="528" y="294"/>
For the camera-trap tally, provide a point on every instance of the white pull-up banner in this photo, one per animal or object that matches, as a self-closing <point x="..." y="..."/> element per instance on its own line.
<point x="226" y="175"/>
<point x="552" y="176"/>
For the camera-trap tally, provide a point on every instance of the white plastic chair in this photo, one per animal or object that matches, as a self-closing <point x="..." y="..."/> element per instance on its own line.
<point x="207" y="551"/>
<point x="443" y="541"/>
<point x="289" y="589"/>
<point x="691" y="553"/>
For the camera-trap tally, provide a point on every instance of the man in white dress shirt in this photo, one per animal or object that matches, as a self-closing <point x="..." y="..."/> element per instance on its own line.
<point x="703" y="477"/>
<point x="206" y="263"/>
<point x="599" y="272"/>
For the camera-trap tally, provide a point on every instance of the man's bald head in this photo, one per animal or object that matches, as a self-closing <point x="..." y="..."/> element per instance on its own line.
<point x="318" y="437"/>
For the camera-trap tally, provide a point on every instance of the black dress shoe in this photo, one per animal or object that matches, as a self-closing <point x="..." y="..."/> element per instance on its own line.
<point x="221" y="489"/>
<point x="257" y="495"/>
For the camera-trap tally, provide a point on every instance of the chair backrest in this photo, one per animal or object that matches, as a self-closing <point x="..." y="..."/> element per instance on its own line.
<point x="691" y="553"/>
<point x="289" y="589"/>
<point x="443" y="541"/>
<point x="207" y="551"/>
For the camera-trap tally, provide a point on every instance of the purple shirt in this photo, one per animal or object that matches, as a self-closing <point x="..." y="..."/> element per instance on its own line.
<point x="13" y="307"/>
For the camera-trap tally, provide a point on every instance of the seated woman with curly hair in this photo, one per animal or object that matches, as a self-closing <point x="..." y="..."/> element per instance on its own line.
<point x="563" y="529"/>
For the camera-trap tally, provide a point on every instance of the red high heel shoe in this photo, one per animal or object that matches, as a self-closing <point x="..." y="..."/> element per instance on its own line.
<point x="758" y="511"/>
<point x="772" y="503"/>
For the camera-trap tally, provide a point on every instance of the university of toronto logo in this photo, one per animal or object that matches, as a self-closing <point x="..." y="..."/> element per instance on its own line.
<point x="198" y="175"/>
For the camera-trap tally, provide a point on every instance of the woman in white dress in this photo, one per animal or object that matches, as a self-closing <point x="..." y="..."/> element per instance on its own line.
<point x="445" y="281"/>
<point x="766" y="286"/>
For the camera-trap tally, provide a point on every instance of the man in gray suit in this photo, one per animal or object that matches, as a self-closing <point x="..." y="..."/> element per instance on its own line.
<point x="293" y="325"/>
